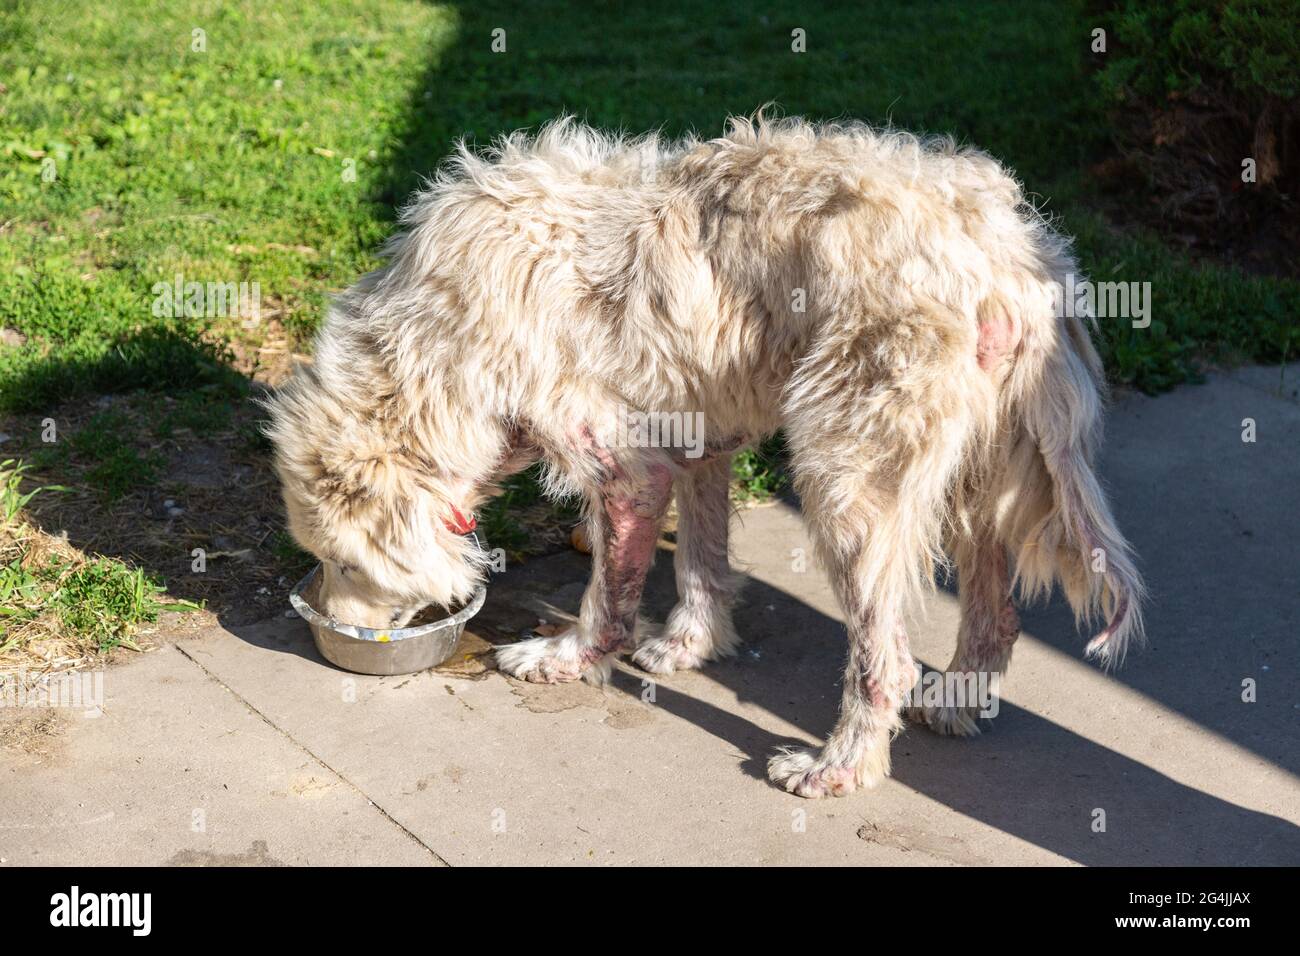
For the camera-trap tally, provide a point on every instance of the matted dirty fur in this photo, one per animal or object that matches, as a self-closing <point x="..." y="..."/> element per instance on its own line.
<point x="889" y="302"/>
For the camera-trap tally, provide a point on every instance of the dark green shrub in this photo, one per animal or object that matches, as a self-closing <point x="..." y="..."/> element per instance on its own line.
<point x="1204" y="97"/>
<point x="1248" y="47"/>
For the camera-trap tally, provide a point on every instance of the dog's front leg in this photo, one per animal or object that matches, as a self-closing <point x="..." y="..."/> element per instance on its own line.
<point x="624" y="523"/>
<point x="699" y="628"/>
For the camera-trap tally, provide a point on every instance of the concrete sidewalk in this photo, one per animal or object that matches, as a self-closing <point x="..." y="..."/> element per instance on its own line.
<point x="245" y="747"/>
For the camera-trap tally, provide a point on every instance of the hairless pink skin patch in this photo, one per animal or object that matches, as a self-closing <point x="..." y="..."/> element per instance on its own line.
<point x="629" y="532"/>
<point x="999" y="336"/>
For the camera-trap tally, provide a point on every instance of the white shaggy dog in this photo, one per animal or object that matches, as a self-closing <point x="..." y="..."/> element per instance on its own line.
<point x="891" y="304"/>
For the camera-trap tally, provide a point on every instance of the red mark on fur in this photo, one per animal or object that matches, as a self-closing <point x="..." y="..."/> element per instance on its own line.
<point x="876" y="694"/>
<point x="631" y="529"/>
<point x="999" y="335"/>
<point x="836" y="781"/>
<point x="990" y="624"/>
<point x="1008" y="624"/>
<point x="520" y="452"/>
<point x="632" y="502"/>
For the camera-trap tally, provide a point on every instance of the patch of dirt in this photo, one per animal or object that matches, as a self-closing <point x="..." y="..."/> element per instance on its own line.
<point x="212" y="489"/>
<point x="622" y="711"/>
<point x="264" y="352"/>
<point x="32" y="733"/>
<point x="308" y="787"/>
<point x="626" y="713"/>
<point x="200" y="465"/>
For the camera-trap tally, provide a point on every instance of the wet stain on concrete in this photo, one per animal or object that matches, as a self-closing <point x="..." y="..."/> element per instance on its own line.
<point x="259" y="854"/>
<point x="627" y="712"/>
<point x="472" y="659"/>
<point x="554" y="698"/>
<point x="951" y="850"/>
<point x="623" y="712"/>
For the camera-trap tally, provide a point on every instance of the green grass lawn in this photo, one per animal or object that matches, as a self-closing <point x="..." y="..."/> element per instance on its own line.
<point x="269" y="142"/>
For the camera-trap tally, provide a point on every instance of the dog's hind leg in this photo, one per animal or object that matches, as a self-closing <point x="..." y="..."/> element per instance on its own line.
<point x="988" y="631"/>
<point x="699" y="628"/>
<point x="624" y="520"/>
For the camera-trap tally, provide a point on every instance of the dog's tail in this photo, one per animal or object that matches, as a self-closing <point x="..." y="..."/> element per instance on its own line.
<point x="1053" y="511"/>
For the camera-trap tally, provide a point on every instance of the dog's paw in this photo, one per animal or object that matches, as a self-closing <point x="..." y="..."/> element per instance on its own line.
<point x="807" y="773"/>
<point x="688" y="640"/>
<point x="946" y="721"/>
<point x="552" y="660"/>
<point x="665" y="654"/>
<point x="802" y="772"/>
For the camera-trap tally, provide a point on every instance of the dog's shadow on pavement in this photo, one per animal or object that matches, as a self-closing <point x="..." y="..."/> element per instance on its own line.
<point x="1024" y="775"/>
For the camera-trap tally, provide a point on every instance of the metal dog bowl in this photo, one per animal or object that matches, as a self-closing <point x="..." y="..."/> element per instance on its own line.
<point x="368" y="650"/>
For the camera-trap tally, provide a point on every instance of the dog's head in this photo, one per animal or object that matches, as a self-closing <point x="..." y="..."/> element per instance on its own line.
<point x="384" y="556"/>
<point x="383" y="526"/>
<point x="348" y="595"/>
